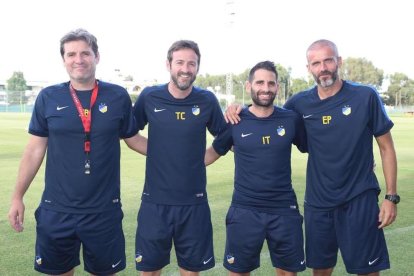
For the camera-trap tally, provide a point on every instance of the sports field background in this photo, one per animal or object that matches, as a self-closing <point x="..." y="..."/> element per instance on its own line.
<point x="17" y="249"/>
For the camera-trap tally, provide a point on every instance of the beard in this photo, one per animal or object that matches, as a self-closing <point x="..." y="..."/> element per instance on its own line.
<point x="183" y="85"/>
<point x="263" y="102"/>
<point x="326" y="82"/>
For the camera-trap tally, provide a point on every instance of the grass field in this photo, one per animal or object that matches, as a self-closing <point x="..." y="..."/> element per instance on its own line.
<point x="17" y="249"/>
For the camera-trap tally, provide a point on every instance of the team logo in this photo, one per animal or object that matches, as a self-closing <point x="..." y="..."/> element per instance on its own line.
<point x="86" y="112"/>
<point x="138" y="257"/>
<point x="195" y="110"/>
<point x="281" y="131"/>
<point x="103" y="108"/>
<point x="346" y="110"/>
<point x="230" y="259"/>
<point x="38" y="260"/>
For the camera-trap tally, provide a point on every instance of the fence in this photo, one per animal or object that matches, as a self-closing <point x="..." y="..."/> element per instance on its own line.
<point x="16" y="108"/>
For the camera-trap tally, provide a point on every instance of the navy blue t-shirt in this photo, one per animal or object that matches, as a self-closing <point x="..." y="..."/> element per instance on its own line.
<point x="55" y="116"/>
<point x="262" y="154"/>
<point x="340" y="131"/>
<point x="175" y="169"/>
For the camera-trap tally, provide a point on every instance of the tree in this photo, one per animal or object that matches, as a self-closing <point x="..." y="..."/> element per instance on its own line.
<point x="363" y="71"/>
<point x="299" y="85"/>
<point x="16" y="82"/>
<point x="239" y="89"/>
<point x="284" y="84"/>
<point x="400" y="90"/>
<point x="16" y="86"/>
<point x="210" y="81"/>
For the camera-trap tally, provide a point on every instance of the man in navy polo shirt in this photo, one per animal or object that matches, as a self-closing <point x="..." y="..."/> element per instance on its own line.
<point x="78" y="125"/>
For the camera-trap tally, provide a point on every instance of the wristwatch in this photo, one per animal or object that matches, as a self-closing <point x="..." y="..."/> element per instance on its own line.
<point x="395" y="198"/>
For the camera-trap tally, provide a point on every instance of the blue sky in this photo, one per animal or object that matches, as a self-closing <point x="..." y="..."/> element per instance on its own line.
<point x="134" y="36"/>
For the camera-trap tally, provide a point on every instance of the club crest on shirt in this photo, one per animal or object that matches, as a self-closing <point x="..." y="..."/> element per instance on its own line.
<point x="86" y="112"/>
<point x="346" y="110"/>
<point x="281" y="131"/>
<point x="38" y="260"/>
<point x="103" y="107"/>
<point x="195" y="110"/>
<point x="138" y="257"/>
<point x="230" y="259"/>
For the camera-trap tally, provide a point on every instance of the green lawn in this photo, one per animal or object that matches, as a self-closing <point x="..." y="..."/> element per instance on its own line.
<point x="17" y="249"/>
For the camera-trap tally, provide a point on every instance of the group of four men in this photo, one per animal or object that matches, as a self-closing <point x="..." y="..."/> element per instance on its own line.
<point x="78" y="125"/>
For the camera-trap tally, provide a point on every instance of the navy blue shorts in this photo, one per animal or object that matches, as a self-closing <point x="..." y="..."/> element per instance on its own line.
<point x="246" y="231"/>
<point x="60" y="236"/>
<point x="352" y="228"/>
<point x="189" y="227"/>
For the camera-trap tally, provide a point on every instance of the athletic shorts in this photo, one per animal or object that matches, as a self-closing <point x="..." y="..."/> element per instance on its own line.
<point x="60" y="236"/>
<point x="246" y="231"/>
<point x="188" y="226"/>
<point x="352" y="228"/>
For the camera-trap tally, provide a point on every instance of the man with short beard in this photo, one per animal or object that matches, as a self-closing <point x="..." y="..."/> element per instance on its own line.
<point x="341" y="201"/>
<point x="174" y="205"/>
<point x="264" y="205"/>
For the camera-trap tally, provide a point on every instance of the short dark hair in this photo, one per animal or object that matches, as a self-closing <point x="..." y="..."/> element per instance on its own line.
<point x="184" y="44"/>
<point x="266" y="65"/>
<point x="79" y="34"/>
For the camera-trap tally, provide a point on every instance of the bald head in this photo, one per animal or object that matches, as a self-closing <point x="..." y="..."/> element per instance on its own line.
<point x="320" y="44"/>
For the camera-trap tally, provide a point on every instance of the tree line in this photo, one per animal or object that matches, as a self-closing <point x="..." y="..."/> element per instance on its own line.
<point x="398" y="93"/>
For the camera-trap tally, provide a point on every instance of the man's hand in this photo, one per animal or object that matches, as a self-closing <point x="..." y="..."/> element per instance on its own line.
<point x="232" y="113"/>
<point x="388" y="213"/>
<point x="16" y="215"/>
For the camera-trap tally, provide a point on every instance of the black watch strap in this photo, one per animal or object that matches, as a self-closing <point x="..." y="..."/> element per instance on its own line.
<point x="395" y="198"/>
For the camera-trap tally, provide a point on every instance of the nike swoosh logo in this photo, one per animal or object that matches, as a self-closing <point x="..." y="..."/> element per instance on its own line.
<point x="115" y="265"/>
<point x="61" y="107"/>
<point x="158" y="110"/>
<point x="302" y="262"/>
<point x="307" y="116"/>
<point x="205" y="262"/>
<point x="371" y="263"/>
<point x="245" y="135"/>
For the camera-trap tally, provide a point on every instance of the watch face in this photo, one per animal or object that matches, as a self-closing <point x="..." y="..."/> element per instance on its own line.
<point x="396" y="199"/>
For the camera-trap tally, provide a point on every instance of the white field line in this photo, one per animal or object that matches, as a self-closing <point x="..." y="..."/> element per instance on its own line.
<point x="399" y="230"/>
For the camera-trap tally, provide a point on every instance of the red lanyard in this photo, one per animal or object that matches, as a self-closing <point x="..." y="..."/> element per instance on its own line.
<point x="86" y="119"/>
